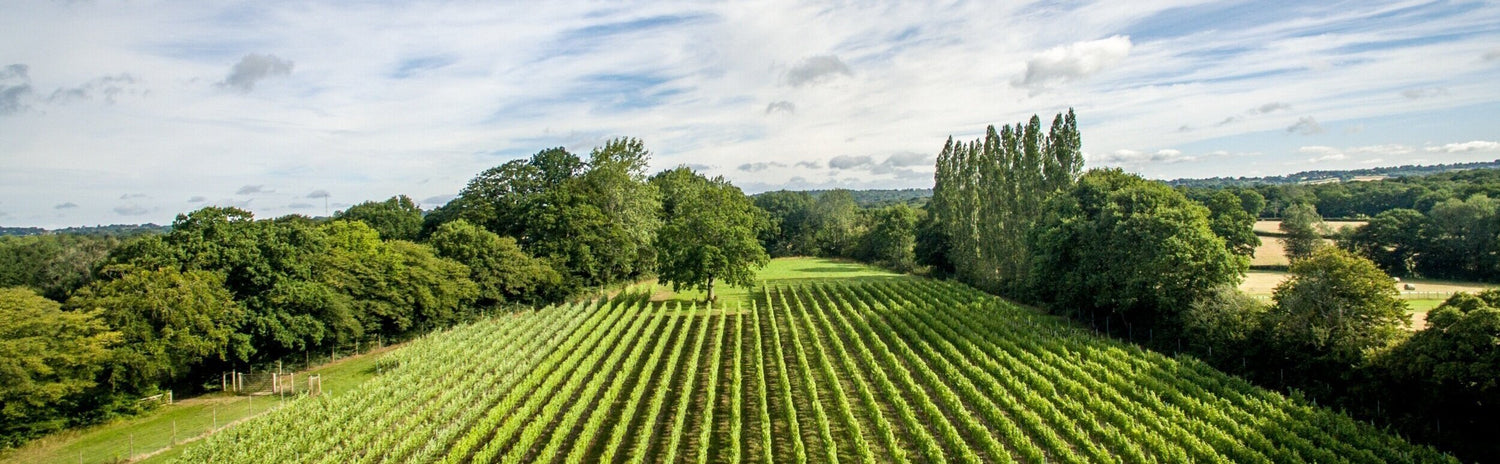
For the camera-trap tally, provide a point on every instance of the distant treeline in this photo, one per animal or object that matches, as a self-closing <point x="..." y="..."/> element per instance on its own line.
<point x="1332" y="175"/>
<point x="113" y="230"/>
<point x="882" y="197"/>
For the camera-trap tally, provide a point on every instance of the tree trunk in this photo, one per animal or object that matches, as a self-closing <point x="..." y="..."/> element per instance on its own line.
<point x="710" y="297"/>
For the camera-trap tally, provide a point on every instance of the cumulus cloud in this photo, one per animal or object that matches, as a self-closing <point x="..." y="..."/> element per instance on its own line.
<point x="781" y="106"/>
<point x="68" y="205"/>
<point x="252" y="189"/>
<point x="197" y="199"/>
<point x="851" y="162"/>
<point x="254" y="68"/>
<point x="1322" y="153"/>
<point x="318" y="194"/>
<point x="1305" y="126"/>
<point x="760" y="166"/>
<point x="810" y="164"/>
<point x="1424" y="92"/>
<point x="131" y="210"/>
<point x="1074" y="61"/>
<point x="1466" y="147"/>
<point x="1228" y="121"/>
<point x="15" y="86"/>
<point x="300" y="206"/>
<point x="816" y="70"/>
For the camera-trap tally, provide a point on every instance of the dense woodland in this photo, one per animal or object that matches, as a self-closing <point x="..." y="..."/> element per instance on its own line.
<point x="91" y="322"/>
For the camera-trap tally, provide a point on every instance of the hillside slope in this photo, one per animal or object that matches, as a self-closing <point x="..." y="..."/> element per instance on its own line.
<point x="869" y="369"/>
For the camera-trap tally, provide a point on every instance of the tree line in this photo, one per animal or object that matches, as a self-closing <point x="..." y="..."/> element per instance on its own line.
<point x="1013" y="214"/>
<point x="89" y="323"/>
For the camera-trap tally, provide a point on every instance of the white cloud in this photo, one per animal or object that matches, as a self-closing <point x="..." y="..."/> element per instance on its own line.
<point x="1073" y="61"/>
<point x="851" y="162"/>
<point x="1466" y="147"/>
<point x="1322" y="153"/>
<point x="1425" y="92"/>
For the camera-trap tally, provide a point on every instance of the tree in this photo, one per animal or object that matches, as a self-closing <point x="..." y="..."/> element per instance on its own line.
<point x="1124" y="247"/>
<point x="1392" y="239"/>
<point x="496" y="264"/>
<point x="1462" y="239"/>
<point x="47" y="356"/>
<point x="1230" y="221"/>
<point x="1446" y="374"/>
<point x="1222" y="323"/>
<point x="396" y="286"/>
<point x="1300" y="222"/>
<point x="397" y="218"/>
<point x="170" y="322"/>
<point x="931" y="247"/>
<point x="791" y="231"/>
<point x="616" y="182"/>
<point x="835" y="223"/>
<point x="1333" y="312"/>
<point x="892" y="237"/>
<point x="708" y="234"/>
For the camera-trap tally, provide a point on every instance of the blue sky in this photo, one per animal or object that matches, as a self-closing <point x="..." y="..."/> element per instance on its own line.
<point x="128" y="112"/>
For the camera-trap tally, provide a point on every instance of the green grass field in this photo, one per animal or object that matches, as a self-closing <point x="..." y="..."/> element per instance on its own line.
<point x="156" y="431"/>
<point x="822" y="362"/>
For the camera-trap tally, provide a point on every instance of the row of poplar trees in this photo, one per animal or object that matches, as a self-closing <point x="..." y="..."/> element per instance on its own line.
<point x="989" y="193"/>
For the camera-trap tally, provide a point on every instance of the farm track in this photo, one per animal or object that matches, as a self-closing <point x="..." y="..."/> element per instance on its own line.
<point x="894" y="369"/>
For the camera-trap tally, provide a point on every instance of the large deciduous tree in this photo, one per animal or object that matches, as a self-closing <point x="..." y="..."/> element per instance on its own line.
<point x="708" y="233"/>
<point x="1128" y="248"/>
<point x="892" y="237"/>
<point x="1334" y="310"/>
<point x="47" y="356"/>
<point x="1230" y="221"/>
<point x="170" y="322"/>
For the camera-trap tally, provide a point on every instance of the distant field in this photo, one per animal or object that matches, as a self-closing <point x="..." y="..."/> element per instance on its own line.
<point x="1274" y="227"/>
<point x="1428" y="295"/>
<point x="822" y="362"/>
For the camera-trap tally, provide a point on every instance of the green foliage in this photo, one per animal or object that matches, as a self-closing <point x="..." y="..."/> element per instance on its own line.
<point x="892" y="237"/>
<point x="398" y="218"/>
<point x="834" y="219"/>
<point x="396" y="286"/>
<point x="1220" y="324"/>
<point x="53" y="265"/>
<point x="791" y="231"/>
<point x="1332" y="314"/>
<point x="1122" y="245"/>
<point x="496" y="264"/>
<point x="169" y="321"/>
<point x="1447" y="371"/>
<point x="708" y="233"/>
<point x="989" y="194"/>
<point x="1301" y="223"/>
<point x="1231" y="222"/>
<point x="48" y="357"/>
<point x="932" y="245"/>
<point x="594" y="221"/>
<point x="1392" y="239"/>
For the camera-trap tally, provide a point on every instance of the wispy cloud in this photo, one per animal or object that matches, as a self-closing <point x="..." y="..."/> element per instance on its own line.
<point x="1305" y="125"/>
<point x="781" y="106"/>
<point x="68" y="205"/>
<point x="252" y="190"/>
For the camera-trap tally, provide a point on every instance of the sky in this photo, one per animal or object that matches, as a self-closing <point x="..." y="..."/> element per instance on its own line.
<point x="136" y="111"/>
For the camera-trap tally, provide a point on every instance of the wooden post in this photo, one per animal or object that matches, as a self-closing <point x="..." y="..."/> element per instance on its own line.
<point x="174" y="432"/>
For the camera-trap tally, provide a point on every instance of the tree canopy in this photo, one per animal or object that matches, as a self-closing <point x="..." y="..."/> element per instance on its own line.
<point x="709" y="232"/>
<point x="398" y="218"/>
<point x="47" y="357"/>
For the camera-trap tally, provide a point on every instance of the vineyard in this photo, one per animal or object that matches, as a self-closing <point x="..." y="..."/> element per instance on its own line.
<point x="894" y="369"/>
